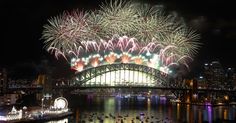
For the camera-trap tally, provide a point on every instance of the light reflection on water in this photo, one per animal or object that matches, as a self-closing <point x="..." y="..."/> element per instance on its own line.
<point x="112" y="110"/>
<point x="65" y="120"/>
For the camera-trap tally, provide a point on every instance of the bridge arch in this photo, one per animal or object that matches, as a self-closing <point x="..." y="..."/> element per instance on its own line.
<point x="121" y="74"/>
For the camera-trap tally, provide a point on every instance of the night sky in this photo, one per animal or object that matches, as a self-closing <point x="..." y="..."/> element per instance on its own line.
<point x="22" y="24"/>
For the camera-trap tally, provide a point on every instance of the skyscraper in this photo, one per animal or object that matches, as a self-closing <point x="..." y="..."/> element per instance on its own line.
<point x="229" y="78"/>
<point x="3" y="81"/>
<point x="214" y="75"/>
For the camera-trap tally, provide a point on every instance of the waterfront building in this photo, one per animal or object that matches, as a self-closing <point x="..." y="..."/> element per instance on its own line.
<point x="6" y="98"/>
<point x="214" y="74"/>
<point x="229" y="78"/>
<point x="9" y="99"/>
<point x="234" y="81"/>
<point x="3" y="81"/>
<point x="201" y="82"/>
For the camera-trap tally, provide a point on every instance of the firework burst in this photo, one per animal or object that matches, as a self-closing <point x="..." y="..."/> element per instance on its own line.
<point x="121" y="32"/>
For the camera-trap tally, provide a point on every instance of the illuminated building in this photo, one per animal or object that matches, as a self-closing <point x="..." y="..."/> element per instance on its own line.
<point x="229" y="78"/>
<point x="234" y="80"/>
<point x="214" y="74"/>
<point x="201" y="81"/>
<point x="46" y="82"/>
<point x="6" y="98"/>
<point x="3" y="81"/>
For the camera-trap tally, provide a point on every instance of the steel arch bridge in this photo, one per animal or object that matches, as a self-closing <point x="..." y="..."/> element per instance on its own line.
<point x="121" y="75"/>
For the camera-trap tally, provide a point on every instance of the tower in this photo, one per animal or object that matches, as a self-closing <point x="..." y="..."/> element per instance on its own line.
<point x="229" y="78"/>
<point x="3" y="81"/>
<point x="214" y="74"/>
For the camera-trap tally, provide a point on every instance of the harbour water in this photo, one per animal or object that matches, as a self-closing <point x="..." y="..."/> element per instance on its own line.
<point x="92" y="109"/>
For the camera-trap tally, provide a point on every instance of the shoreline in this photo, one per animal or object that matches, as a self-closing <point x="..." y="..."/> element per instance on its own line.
<point x="44" y="118"/>
<point x="40" y="118"/>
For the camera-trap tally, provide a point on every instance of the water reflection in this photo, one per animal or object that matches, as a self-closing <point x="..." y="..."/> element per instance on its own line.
<point x="199" y="116"/>
<point x="209" y="112"/>
<point x="109" y="105"/>
<point x="178" y="111"/>
<point x="225" y="114"/>
<point x="153" y="109"/>
<point x="65" y="120"/>
<point x="77" y="115"/>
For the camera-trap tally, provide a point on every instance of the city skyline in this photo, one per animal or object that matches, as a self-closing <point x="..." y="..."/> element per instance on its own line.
<point x="23" y="24"/>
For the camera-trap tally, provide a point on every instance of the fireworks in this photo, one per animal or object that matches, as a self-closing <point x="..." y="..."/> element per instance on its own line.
<point x="121" y="32"/>
<point x="119" y="18"/>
